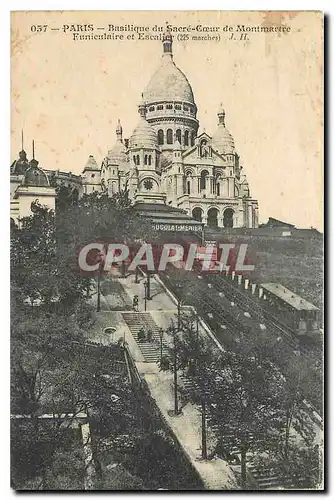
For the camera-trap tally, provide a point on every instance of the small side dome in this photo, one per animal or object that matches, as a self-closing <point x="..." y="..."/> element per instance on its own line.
<point x="91" y="164"/>
<point x="222" y="140"/>
<point x="20" y="166"/>
<point x="144" y="135"/>
<point x="35" y="176"/>
<point x="117" y="154"/>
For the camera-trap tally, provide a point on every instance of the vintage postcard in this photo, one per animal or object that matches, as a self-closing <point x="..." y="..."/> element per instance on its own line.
<point x="166" y="210"/>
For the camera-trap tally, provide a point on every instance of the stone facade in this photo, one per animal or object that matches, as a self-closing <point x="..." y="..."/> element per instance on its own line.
<point x="166" y="161"/>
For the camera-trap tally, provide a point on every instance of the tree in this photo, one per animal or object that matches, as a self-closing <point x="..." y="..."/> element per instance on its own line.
<point x="41" y="273"/>
<point x="245" y="407"/>
<point x="192" y="354"/>
<point x="300" y="470"/>
<point x="99" y="217"/>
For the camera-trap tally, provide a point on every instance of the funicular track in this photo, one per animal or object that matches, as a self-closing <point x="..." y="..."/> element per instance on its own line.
<point x="208" y="294"/>
<point x="213" y="303"/>
<point x="243" y="299"/>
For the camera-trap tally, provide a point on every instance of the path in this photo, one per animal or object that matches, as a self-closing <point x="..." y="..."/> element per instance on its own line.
<point x="161" y="310"/>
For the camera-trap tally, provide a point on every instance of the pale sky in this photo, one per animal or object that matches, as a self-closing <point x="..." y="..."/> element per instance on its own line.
<point x="68" y="95"/>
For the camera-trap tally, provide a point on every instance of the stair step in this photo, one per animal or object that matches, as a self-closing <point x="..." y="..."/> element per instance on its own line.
<point x="139" y="321"/>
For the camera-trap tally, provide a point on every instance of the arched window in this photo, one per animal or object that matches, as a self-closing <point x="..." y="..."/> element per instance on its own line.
<point x="151" y="108"/>
<point x="149" y="159"/>
<point x="160" y="107"/>
<point x="204" y="149"/>
<point x="213" y="217"/>
<point x="178" y="135"/>
<point x="134" y="160"/>
<point x="197" y="214"/>
<point x="228" y="217"/>
<point x="169" y="136"/>
<point x="204" y="175"/>
<point x="169" y="106"/>
<point x="138" y="160"/>
<point x="188" y="187"/>
<point x="218" y="188"/>
<point x="145" y="160"/>
<point x="186" y="138"/>
<point x="160" y="137"/>
<point x="178" y="106"/>
<point x="192" y="142"/>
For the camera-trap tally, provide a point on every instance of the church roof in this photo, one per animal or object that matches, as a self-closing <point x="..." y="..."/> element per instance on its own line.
<point x="168" y="84"/>
<point x="143" y="136"/>
<point x="91" y="164"/>
<point x="118" y="153"/>
<point x="272" y="222"/>
<point x="19" y="167"/>
<point x="222" y="140"/>
<point x="35" y="176"/>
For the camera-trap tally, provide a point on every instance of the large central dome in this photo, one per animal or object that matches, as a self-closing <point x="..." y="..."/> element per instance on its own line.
<point x="168" y="84"/>
<point x="170" y="105"/>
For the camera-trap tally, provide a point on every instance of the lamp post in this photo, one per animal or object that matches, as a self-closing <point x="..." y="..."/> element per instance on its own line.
<point x="204" y="447"/>
<point x="161" y="335"/>
<point x="100" y="261"/>
<point x="98" y="306"/>
<point x="179" y="303"/>
<point x="197" y="343"/>
<point x="145" y="295"/>
<point x="148" y="287"/>
<point x="123" y="270"/>
<point x="176" y="405"/>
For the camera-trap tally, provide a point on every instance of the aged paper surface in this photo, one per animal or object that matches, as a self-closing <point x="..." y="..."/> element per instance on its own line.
<point x="181" y="128"/>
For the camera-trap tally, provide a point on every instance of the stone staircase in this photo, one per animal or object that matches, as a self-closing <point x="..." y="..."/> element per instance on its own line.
<point x="139" y="320"/>
<point x="262" y="478"/>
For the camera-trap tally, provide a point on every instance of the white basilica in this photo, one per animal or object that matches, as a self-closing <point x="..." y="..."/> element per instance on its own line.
<point x="165" y="161"/>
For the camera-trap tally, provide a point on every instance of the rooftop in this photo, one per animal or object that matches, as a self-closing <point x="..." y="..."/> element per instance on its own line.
<point x="289" y="297"/>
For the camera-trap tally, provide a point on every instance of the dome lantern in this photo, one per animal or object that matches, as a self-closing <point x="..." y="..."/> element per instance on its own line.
<point x="167" y="43"/>
<point x="119" y="131"/>
<point x="221" y="115"/>
<point x="142" y="108"/>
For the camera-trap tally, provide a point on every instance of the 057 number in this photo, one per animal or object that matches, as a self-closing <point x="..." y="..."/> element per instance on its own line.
<point x="38" y="28"/>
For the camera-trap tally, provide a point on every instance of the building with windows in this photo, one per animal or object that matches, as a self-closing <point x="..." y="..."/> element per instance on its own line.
<point x="28" y="183"/>
<point x="167" y="161"/>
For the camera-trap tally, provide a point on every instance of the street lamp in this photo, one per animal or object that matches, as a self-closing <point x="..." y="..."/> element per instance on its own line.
<point x="145" y="295"/>
<point x="197" y="342"/>
<point x="161" y="335"/>
<point x="148" y="286"/>
<point x="99" y="260"/>
<point x="98" y="305"/>
<point x="179" y="303"/>
<point x="176" y="404"/>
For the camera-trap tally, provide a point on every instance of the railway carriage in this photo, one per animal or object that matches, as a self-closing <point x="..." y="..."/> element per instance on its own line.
<point x="289" y="308"/>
